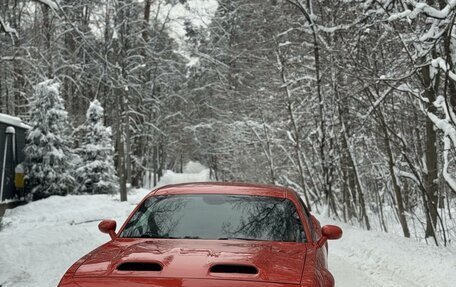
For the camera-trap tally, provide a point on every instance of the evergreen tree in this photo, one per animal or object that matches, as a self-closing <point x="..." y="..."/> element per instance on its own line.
<point x="48" y="156"/>
<point x="96" y="174"/>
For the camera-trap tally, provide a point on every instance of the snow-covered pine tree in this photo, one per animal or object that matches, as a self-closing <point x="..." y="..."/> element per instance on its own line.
<point x="96" y="172"/>
<point x="48" y="155"/>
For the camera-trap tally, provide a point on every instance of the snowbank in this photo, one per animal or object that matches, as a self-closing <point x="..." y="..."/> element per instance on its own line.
<point x="42" y="239"/>
<point x="380" y="259"/>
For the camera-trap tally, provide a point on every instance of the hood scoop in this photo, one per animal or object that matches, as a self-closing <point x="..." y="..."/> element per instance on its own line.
<point x="140" y="266"/>
<point x="233" y="269"/>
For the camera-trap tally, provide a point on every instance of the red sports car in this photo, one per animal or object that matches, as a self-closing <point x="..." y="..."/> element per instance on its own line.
<point x="211" y="234"/>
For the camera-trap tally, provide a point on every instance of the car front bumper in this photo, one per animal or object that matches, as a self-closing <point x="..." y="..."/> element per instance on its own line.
<point x="167" y="282"/>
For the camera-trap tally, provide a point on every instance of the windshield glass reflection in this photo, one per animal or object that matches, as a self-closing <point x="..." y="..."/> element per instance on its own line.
<point x="216" y="216"/>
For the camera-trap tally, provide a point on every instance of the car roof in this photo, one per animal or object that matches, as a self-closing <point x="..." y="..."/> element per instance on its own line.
<point x="237" y="188"/>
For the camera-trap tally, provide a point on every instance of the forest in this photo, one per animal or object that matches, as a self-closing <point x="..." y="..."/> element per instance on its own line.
<point x="351" y="103"/>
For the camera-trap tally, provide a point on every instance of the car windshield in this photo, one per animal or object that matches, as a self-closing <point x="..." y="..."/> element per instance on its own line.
<point x="216" y="216"/>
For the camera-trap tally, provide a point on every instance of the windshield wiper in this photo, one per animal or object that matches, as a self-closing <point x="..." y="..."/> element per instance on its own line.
<point x="191" y="237"/>
<point x="238" y="238"/>
<point x="153" y="235"/>
<point x="157" y="236"/>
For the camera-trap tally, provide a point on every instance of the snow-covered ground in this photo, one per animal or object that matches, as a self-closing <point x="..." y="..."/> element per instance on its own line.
<point x="369" y="258"/>
<point x="40" y="240"/>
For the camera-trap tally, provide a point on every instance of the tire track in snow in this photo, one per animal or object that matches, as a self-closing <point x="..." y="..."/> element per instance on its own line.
<point x="347" y="275"/>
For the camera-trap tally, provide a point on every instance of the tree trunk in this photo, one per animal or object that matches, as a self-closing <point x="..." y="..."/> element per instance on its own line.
<point x="396" y="187"/>
<point x="121" y="159"/>
<point x="431" y="179"/>
<point x="431" y="172"/>
<point x="48" y="39"/>
<point x="127" y="146"/>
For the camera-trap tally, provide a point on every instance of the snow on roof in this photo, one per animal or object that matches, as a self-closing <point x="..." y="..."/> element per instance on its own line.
<point x="13" y="121"/>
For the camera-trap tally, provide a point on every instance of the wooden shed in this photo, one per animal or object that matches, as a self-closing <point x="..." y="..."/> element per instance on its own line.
<point x="12" y="143"/>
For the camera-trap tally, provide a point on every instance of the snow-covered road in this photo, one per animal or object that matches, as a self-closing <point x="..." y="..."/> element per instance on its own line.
<point x="347" y="274"/>
<point x="40" y="240"/>
<point x="400" y="266"/>
<point x="369" y="258"/>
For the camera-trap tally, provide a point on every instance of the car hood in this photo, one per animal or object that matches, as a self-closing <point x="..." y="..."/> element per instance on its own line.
<point x="280" y="262"/>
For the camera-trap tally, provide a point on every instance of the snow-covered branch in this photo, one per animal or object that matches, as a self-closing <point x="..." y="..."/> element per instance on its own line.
<point x="49" y="3"/>
<point x="449" y="140"/>
<point x="8" y="29"/>
<point x="424" y="8"/>
<point x="378" y="101"/>
<point x="443" y="65"/>
<point x="406" y="174"/>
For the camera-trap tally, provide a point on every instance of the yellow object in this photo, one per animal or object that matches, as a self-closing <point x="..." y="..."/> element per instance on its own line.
<point x="19" y="180"/>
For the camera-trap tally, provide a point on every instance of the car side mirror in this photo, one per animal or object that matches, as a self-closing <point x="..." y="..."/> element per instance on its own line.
<point x="329" y="232"/>
<point x="108" y="226"/>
